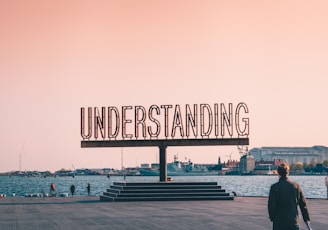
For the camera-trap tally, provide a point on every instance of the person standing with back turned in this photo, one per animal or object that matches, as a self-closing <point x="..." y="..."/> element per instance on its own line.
<point x="284" y="198"/>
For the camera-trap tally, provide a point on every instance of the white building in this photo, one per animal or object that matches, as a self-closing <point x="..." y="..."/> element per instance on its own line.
<point x="291" y="154"/>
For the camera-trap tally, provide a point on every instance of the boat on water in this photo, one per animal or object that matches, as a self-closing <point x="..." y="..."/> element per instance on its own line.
<point x="271" y="172"/>
<point x="179" y="168"/>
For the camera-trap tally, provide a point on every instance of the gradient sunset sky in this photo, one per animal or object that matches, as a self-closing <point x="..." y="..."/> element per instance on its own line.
<point x="57" y="56"/>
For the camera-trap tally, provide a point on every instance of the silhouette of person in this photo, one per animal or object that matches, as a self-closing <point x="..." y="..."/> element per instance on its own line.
<point x="284" y="198"/>
<point x="72" y="189"/>
<point x="52" y="189"/>
<point x="88" y="189"/>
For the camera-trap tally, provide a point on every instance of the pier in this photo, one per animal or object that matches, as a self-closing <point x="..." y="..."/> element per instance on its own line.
<point x="18" y="213"/>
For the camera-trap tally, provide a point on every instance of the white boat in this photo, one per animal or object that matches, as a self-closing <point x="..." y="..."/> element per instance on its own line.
<point x="270" y="172"/>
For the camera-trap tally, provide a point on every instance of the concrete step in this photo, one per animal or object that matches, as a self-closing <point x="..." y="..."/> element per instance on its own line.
<point x="113" y="190"/>
<point x="161" y="191"/>
<point x="110" y="194"/>
<point x="167" y="190"/>
<point x="180" y="198"/>
<point x="171" y="183"/>
<point x="162" y="194"/>
<point x="119" y="187"/>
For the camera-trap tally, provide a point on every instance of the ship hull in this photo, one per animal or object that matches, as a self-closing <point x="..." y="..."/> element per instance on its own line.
<point x="172" y="173"/>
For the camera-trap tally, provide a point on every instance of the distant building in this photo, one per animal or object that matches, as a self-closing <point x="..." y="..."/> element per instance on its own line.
<point x="291" y="154"/>
<point x="231" y="167"/>
<point x="265" y="169"/>
<point x="275" y="162"/>
<point x="247" y="164"/>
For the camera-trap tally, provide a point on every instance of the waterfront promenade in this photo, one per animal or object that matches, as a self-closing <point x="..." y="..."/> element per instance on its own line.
<point x="91" y="213"/>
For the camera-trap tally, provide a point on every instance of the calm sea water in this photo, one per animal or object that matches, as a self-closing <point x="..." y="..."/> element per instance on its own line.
<point x="313" y="186"/>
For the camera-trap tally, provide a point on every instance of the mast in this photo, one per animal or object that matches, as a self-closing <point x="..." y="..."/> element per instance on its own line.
<point x="20" y="158"/>
<point x="122" y="158"/>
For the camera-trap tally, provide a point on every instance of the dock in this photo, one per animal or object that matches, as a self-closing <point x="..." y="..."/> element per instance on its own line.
<point x="83" y="212"/>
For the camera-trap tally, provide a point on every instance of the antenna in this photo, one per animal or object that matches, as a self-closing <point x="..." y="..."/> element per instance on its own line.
<point x="229" y="156"/>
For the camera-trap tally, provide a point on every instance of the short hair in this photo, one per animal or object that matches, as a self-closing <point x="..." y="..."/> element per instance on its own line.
<point x="283" y="169"/>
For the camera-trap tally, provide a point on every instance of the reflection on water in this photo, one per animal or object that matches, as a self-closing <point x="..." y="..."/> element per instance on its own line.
<point x="313" y="186"/>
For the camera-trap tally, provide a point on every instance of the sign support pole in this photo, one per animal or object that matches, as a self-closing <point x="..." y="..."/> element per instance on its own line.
<point x="162" y="163"/>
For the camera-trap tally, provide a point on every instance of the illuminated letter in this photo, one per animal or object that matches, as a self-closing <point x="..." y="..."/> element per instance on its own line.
<point x="191" y="120"/>
<point x="110" y="122"/>
<point x="202" y="121"/>
<point x="166" y="118"/>
<point x="86" y="136"/>
<point x="216" y="119"/>
<point x="139" y="121"/>
<point x="158" y="125"/>
<point x="245" y="130"/>
<point x="177" y="121"/>
<point x="225" y="120"/>
<point x="100" y="122"/>
<point x="125" y="121"/>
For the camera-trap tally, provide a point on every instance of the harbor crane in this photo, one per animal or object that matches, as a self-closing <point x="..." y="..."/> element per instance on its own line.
<point x="229" y="156"/>
<point x="243" y="150"/>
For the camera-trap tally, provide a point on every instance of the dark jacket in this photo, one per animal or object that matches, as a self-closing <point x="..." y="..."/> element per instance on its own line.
<point x="284" y="198"/>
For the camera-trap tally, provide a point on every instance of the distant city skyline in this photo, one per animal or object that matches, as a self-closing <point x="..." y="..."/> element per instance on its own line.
<point x="59" y="56"/>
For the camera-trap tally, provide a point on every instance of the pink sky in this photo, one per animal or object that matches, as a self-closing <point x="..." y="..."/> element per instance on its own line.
<point x="59" y="56"/>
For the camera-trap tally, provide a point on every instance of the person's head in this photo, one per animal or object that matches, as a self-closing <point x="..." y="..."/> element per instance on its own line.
<point x="283" y="170"/>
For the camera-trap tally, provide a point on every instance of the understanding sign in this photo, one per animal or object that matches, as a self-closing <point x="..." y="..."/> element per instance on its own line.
<point x="165" y="121"/>
<point x="165" y="125"/>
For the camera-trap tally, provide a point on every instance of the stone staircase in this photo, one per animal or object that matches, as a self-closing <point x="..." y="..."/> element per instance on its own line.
<point x="164" y="191"/>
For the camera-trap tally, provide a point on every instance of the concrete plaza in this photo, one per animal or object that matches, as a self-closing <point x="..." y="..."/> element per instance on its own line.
<point x="91" y="213"/>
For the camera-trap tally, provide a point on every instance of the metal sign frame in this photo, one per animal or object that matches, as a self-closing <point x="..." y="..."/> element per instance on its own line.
<point x="206" y="132"/>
